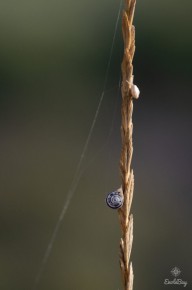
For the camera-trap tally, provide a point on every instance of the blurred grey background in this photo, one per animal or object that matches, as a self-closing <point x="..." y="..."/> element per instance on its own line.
<point x="53" y="58"/>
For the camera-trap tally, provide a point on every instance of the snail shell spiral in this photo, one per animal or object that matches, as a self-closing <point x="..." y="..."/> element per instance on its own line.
<point x="115" y="199"/>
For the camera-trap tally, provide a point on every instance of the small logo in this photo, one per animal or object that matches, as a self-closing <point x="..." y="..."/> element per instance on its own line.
<point x="176" y="281"/>
<point x="175" y="271"/>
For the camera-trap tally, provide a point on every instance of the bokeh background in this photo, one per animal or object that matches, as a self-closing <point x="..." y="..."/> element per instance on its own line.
<point x="53" y="58"/>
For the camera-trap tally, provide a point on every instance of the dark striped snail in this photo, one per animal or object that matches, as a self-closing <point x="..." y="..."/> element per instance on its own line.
<point x="115" y="199"/>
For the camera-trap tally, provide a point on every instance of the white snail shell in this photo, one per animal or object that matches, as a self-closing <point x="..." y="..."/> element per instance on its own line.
<point x="115" y="199"/>
<point x="135" y="92"/>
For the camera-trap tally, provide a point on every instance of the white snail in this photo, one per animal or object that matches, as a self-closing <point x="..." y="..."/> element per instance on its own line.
<point x="135" y="91"/>
<point x="115" y="199"/>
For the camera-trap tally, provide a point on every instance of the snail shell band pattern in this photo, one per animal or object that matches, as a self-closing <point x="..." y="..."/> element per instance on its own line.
<point x="115" y="199"/>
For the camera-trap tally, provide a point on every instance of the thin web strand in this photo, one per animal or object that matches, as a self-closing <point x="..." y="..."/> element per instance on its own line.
<point x="83" y="170"/>
<point x="78" y="172"/>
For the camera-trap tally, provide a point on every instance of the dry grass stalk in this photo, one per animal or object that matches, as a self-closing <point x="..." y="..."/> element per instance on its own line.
<point x="126" y="220"/>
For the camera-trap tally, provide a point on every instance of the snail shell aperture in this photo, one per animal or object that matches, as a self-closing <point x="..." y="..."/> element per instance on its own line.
<point x="115" y="199"/>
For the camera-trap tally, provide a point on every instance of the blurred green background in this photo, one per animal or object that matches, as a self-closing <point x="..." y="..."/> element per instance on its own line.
<point x="53" y="58"/>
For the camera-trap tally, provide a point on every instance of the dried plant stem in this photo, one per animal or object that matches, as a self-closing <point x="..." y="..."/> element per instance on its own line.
<point x="126" y="220"/>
